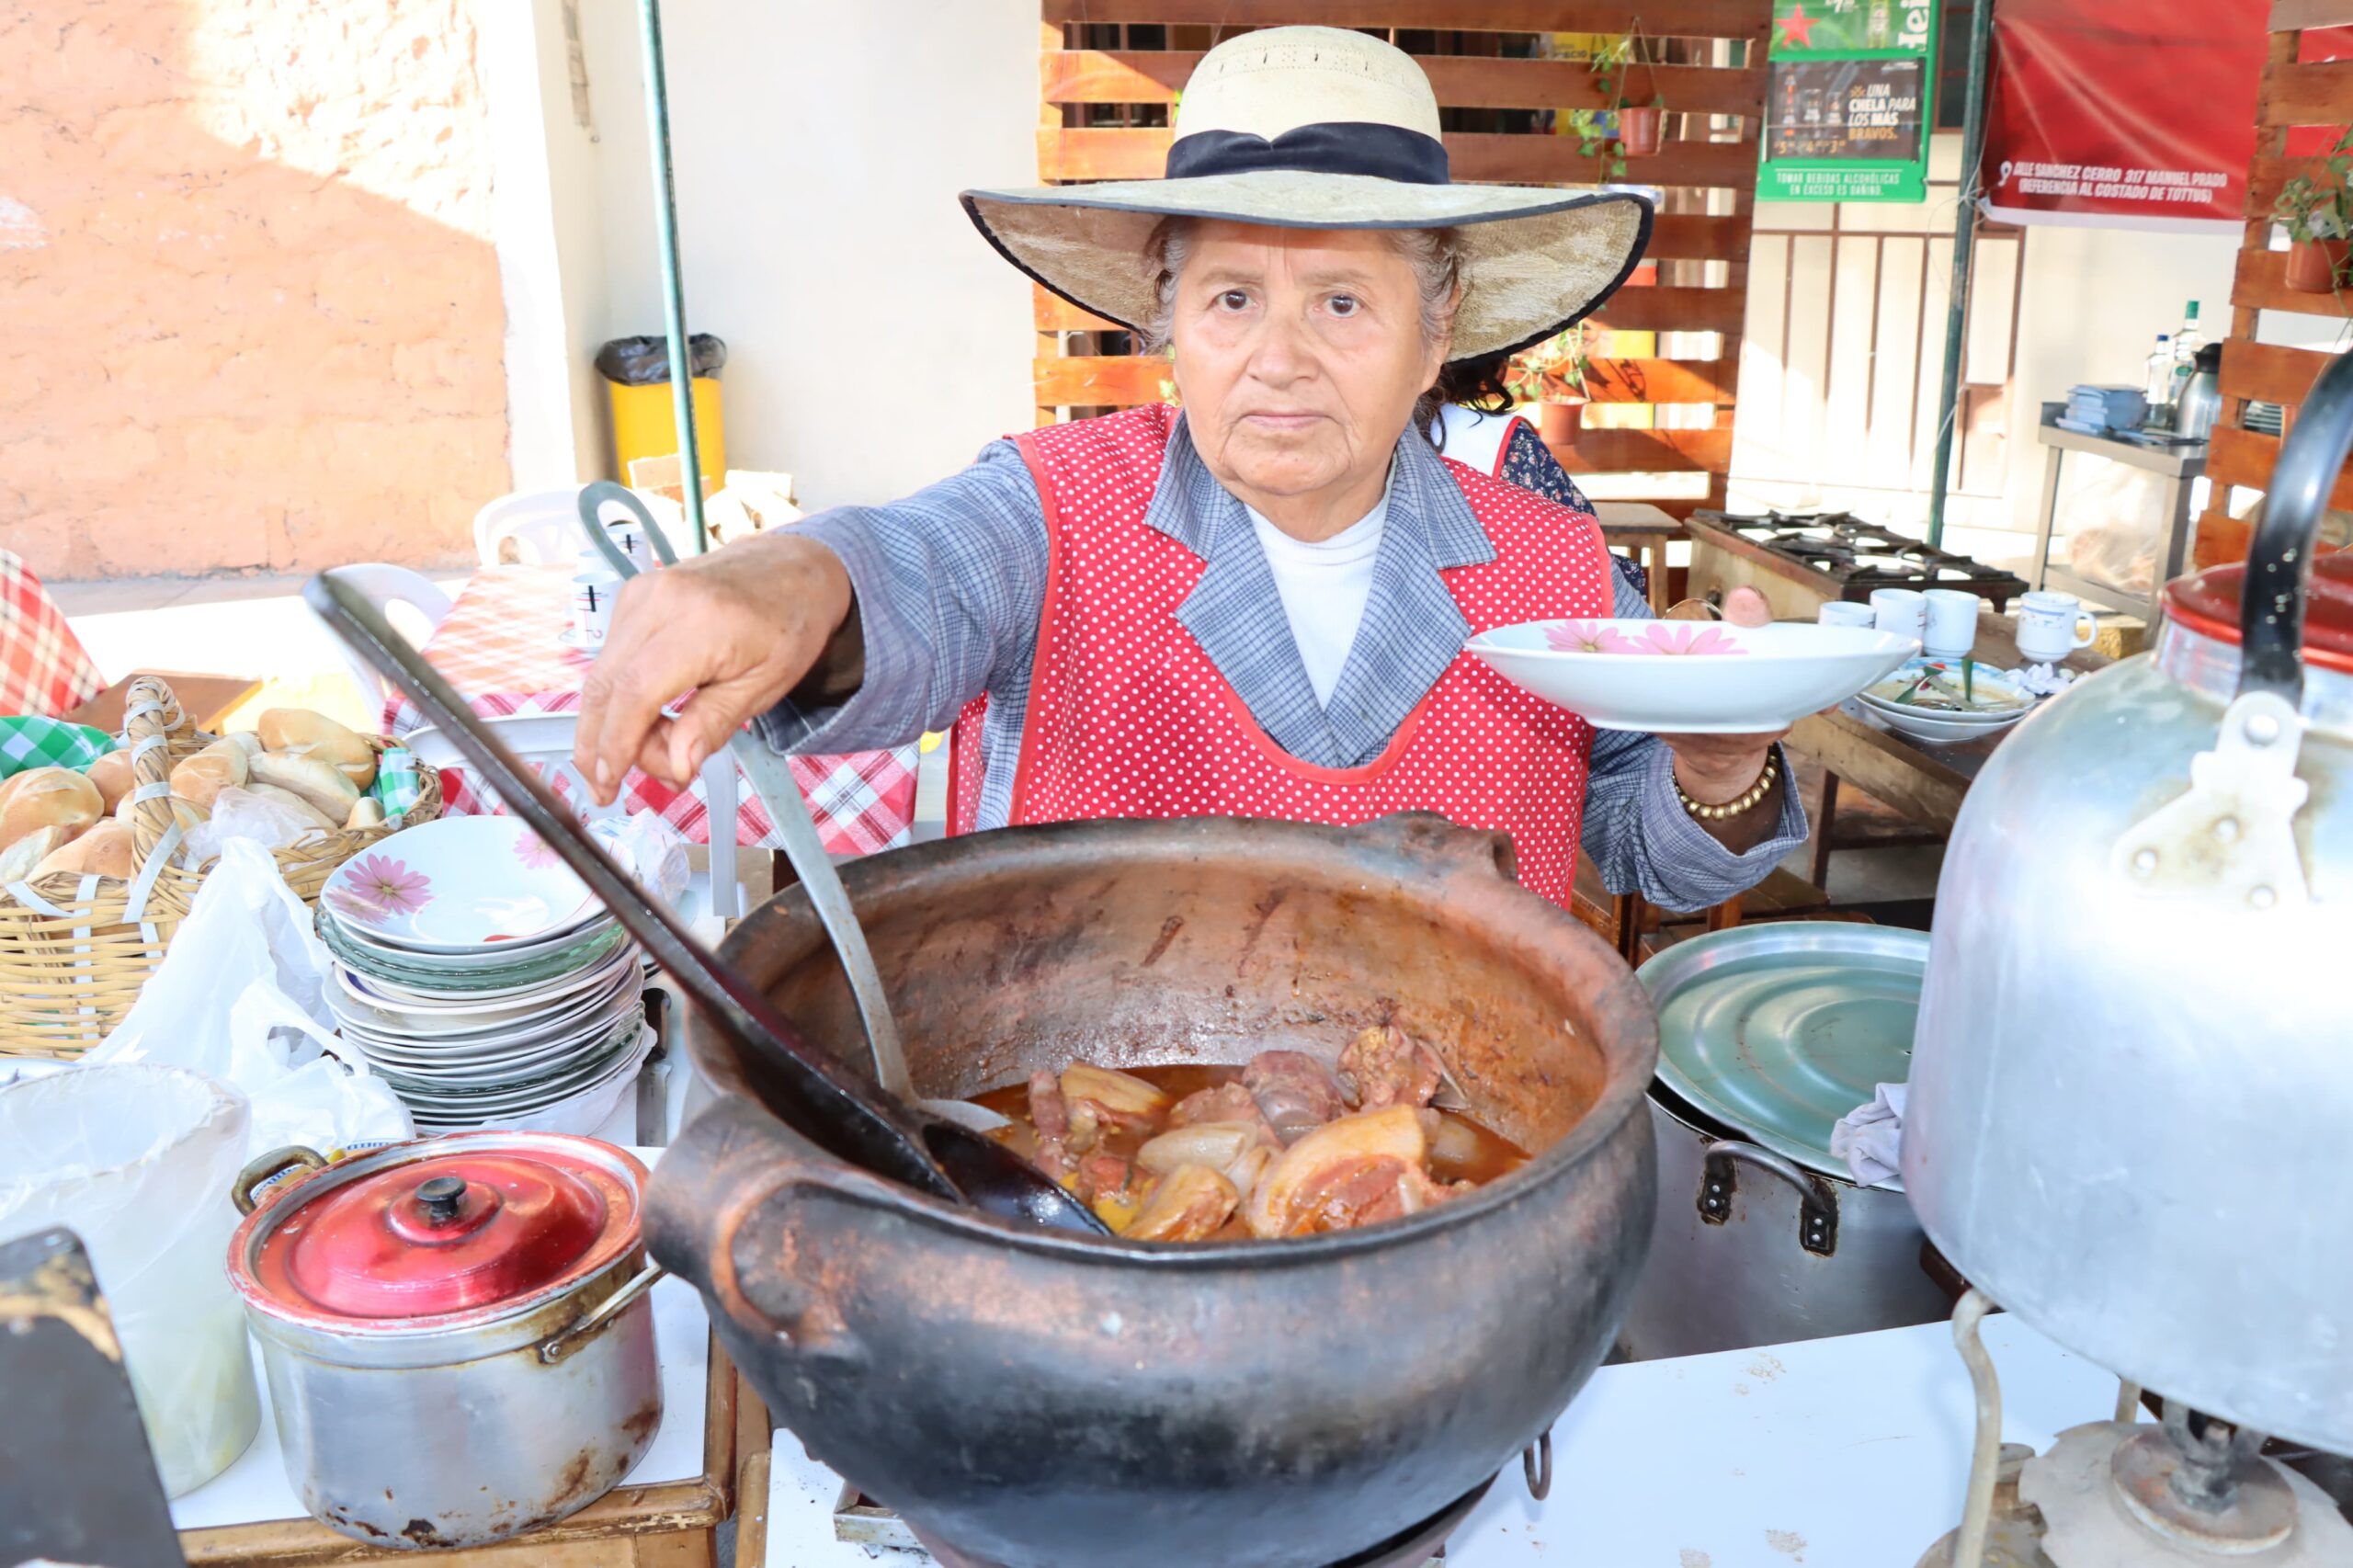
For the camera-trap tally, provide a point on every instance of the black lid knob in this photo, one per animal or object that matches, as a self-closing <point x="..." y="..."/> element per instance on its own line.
<point x="441" y="1197"/>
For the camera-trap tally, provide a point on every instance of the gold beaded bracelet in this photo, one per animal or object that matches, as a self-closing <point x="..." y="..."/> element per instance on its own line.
<point x="1755" y="793"/>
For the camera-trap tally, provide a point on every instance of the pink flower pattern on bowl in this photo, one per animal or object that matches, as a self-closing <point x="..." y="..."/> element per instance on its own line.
<point x="1682" y="637"/>
<point x="533" y="851"/>
<point x="378" y="889"/>
<point x="1587" y="637"/>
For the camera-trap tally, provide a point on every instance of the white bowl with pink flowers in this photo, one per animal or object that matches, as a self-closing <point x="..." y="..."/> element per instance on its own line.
<point x="460" y="885"/>
<point x="1693" y="677"/>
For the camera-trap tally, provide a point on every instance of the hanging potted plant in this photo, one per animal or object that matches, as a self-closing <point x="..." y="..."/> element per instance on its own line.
<point x="1639" y="128"/>
<point x="1552" y="375"/>
<point x="2318" y="213"/>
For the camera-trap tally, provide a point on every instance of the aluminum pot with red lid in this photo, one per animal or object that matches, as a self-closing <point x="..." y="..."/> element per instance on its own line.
<point x="456" y="1331"/>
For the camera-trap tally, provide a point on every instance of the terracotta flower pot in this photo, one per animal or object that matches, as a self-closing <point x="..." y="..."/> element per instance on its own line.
<point x="2314" y="265"/>
<point x="1640" y="130"/>
<point x="1558" y="423"/>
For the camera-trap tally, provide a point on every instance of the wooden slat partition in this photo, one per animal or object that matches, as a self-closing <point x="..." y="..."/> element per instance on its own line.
<point x="1111" y="68"/>
<point x="2294" y="93"/>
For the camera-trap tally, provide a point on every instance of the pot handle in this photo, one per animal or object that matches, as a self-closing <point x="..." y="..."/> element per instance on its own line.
<point x="716" y="1182"/>
<point x="1817" y="1203"/>
<point x="266" y="1167"/>
<point x="2280" y="556"/>
<point x="1432" y="835"/>
<point x="556" y="1348"/>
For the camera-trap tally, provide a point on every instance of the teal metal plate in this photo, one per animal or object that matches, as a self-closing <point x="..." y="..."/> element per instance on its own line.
<point x="1780" y="1030"/>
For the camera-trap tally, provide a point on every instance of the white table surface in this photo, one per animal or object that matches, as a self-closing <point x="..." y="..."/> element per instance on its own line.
<point x="255" y="1489"/>
<point x="1834" y="1453"/>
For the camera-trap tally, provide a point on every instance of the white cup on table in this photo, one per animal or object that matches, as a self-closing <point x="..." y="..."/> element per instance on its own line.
<point x="1846" y="612"/>
<point x="592" y="607"/>
<point x="2051" y="625"/>
<point x="1904" y="611"/>
<point x="1952" y="623"/>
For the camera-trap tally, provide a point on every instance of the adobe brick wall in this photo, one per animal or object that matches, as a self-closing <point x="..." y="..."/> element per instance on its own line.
<point x="249" y="303"/>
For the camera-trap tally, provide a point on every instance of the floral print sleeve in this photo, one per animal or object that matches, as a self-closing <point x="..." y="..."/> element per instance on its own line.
<point x="1530" y="463"/>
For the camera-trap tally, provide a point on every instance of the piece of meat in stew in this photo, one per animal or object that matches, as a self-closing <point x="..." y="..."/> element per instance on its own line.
<point x="1269" y="1149"/>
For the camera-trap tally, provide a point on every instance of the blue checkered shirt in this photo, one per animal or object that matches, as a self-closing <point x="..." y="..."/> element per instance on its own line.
<point x="950" y="586"/>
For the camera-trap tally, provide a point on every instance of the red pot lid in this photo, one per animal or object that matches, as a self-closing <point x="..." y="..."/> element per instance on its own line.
<point x="458" y="1229"/>
<point x="2208" y="604"/>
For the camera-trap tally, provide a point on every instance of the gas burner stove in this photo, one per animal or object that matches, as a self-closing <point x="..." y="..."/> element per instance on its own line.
<point x="1855" y="556"/>
<point x="2187" y="1491"/>
<point x="1419" y="1546"/>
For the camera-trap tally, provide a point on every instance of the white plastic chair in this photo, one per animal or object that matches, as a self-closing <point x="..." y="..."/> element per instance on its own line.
<point x="387" y="587"/>
<point x="543" y="743"/>
<point x="544" y="525"/>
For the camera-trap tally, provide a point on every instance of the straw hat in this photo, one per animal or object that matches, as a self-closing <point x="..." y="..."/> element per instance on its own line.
<point x="1319" y="127"/>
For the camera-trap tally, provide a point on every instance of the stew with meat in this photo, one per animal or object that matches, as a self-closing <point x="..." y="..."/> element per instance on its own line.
<point x="1288" y="1145"/>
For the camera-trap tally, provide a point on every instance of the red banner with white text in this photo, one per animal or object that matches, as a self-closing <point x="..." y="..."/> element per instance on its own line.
<point x="2129" y="114"/>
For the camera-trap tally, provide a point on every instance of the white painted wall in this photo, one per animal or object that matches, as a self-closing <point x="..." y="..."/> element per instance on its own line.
<point x="875" y="342"/>
<point x="548" y="231"/>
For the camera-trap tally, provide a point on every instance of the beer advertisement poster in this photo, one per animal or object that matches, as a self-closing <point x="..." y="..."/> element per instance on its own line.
<point x="1849" y="108"/>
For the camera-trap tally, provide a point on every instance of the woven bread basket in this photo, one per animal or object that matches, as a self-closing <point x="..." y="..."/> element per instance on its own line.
<point x="74" y="954"/>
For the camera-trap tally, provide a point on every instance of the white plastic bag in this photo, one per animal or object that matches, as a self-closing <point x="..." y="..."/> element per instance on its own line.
<point x="652" y="851"/>
<point x="138" y="1161"/>
<point x="240" y="996"/>
<point x="240" y="813"/>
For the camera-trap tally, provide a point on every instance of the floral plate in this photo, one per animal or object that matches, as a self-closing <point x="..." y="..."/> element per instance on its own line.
<point x="1691" y="678"/>
<point x="424" y="974"/>
<point x="460" y="885"/>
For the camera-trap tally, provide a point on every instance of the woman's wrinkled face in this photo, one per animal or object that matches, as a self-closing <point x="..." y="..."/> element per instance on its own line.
<point x="1299" y="354"/>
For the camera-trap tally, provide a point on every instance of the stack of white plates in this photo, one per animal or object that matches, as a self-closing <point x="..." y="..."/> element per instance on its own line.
<point x="481" y="981"/>
<point x="1999" y="702"/>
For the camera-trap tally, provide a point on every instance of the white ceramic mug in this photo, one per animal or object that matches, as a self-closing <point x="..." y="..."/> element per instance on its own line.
<point x="592" y="607"/>
<point x="1952" y="623"/>
<point x="1904" y="611"/>
<point x="1846" y="612"/>
<point x="2051" y="625"/>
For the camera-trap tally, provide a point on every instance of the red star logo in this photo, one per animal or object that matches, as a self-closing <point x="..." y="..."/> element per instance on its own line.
<point x="1797" y="28"/>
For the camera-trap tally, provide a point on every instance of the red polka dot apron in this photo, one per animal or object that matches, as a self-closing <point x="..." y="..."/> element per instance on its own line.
<point x="1129" y="718"/>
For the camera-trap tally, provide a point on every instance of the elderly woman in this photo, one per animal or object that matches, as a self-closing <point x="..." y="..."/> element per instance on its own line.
<point x="1256" y="605"/>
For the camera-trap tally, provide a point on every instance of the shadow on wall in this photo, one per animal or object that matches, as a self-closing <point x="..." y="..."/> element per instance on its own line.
<point x="249" y="307"/>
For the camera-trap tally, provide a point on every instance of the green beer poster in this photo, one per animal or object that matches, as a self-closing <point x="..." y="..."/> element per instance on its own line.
<point x="1847" y="114"/>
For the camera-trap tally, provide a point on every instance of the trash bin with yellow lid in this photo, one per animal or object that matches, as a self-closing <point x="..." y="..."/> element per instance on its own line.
<point x="637" y="376"/>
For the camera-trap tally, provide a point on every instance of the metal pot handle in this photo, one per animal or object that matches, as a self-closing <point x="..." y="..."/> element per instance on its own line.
<point x="2280" y="556"/>
<point x="1817" y="1201"/>
<point x="266" y="1167"/>
<point x="558" y="1347"/>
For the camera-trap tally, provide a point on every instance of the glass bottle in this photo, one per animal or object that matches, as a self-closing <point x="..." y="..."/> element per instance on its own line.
<point x="2156" y="384"/>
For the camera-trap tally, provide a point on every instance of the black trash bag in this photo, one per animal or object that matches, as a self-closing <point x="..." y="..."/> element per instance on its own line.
<point x="645" y="361"/>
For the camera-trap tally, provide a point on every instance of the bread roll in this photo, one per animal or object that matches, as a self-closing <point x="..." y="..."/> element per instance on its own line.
<point x="287" y="798"/>
<point x="210" y="771"/>
<point x="49" y="797"/>
<point x="369" y="812"/>
<point x="244" y="740"/>
<point x="111" y="773"/>
<point x="105" y="850"/>
<point x="327" y="789"/>
<point x="16" y="861"/>
<point x="314" y="735"/>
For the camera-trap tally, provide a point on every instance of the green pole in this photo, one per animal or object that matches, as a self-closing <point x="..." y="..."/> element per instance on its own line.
<point x="673" y="300"/>
<point x="1964" y="244"/>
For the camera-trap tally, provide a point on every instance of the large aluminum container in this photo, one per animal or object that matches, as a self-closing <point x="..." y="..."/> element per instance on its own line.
<point x="2135" y="1071"/>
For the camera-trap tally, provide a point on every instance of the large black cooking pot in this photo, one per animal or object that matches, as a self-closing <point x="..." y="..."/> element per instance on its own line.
<point x="1045" y="1401"/>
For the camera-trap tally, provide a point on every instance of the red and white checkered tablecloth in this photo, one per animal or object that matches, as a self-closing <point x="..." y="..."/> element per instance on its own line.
<point x="499" y="647"/>
<point x="43" y="670"/>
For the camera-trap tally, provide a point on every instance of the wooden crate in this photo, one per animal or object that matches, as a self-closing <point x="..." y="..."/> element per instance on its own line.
<point x="668" y="1525"/>
<point x="2295" y="92"/>
<point x="1111" y="68"/>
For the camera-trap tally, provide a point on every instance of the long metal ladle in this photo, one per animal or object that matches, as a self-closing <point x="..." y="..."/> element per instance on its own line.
<point x="772" y="782"/>
<point x="807" y="1089"/>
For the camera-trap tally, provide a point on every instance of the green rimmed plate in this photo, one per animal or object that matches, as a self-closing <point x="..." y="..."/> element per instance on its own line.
<point x="426" y="976"/>
<point x="1777" y="1031"/>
